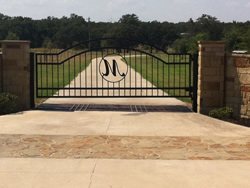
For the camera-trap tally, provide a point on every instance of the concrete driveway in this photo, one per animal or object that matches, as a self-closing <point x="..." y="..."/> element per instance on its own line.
<point x="95" y="149"/>
<point x="122" y="149"/>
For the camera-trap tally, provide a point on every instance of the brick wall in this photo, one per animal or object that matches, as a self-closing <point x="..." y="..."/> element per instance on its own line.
<point x="224" y="80"/>
<point x="237" y="84"/>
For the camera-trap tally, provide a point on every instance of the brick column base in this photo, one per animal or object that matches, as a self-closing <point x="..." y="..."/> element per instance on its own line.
<point x="16" y="71"/>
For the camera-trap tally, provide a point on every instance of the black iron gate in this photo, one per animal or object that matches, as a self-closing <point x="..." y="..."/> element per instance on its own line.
<point x="116" y="68"/>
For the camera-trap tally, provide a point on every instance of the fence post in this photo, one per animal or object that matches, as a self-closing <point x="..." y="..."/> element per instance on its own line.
<point x="1" y="72"/>
<point x="195" y="82"/>
<point x="211" y="76"/>
<point x="32" y="80"/>
<point x="16" y="71"/>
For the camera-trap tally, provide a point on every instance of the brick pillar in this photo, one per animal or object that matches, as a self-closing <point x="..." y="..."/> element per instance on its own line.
<point x="211" y="76"/>
<point x="16" y="71"/>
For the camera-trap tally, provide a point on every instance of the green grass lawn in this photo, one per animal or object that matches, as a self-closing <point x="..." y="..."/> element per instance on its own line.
<point x="165" y="75"/>
<point x="55" y="74"/>
<point x="59" y="75"/>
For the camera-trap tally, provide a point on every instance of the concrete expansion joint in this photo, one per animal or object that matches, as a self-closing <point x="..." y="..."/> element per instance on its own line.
<point x="110" y="120"/>
<point x="92" y="174"/>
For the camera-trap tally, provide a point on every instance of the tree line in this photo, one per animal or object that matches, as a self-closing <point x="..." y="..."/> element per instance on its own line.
<point x="182" y="37"/>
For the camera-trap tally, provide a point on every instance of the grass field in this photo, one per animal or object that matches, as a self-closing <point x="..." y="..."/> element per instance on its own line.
<point x="175" y="73"/>
<point x="57" y="72"/>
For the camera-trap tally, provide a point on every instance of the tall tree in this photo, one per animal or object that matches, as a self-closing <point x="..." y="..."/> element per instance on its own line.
<point x="210" y="26"/>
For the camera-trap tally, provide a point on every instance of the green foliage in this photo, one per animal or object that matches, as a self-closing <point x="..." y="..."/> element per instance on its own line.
<point x="192" y="44"/>
<point x="204" y="28"/>
<point x="12" y="36"/>
<point x="181" y="45"/>
<point x="48" y="44"/>
<point x="126" y="28"/>
<point x="222" y="113"/>
<point x="7" y="103"/>
<point x="209" y="25"/>
<point x="188" y="43"/>
<point x="63" y="32"/>
<point x="237" y="37"/>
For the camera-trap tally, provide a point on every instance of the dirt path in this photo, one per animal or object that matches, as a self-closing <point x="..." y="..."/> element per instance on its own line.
<point x="91" y="78"/>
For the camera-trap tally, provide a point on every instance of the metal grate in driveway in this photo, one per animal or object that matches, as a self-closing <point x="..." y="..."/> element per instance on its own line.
<point x="112" y="107"/>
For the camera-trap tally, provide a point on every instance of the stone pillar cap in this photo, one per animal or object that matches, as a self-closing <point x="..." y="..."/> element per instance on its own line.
<point x="15" y="41"/>
<point x="211" y="42"/>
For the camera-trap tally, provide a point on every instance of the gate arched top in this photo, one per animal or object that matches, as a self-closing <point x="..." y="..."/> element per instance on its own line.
<point x="122" y="46"/>
<point x="112" y="43"/>
<point x="106" y="48"/>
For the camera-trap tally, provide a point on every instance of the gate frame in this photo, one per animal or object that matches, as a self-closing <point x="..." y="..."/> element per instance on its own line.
<point x="32" y="80"/>
<point x="193" y="89"/>
<point x="195" y="82"/>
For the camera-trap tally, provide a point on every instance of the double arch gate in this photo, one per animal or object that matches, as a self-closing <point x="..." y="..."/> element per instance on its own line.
<point x="115" y="68"/>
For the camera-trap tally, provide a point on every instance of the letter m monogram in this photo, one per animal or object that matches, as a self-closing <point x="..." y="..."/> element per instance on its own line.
<point x="114" y="69"/>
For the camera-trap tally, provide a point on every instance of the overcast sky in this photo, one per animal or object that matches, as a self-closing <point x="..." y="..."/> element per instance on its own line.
<point x="146" y="10"/>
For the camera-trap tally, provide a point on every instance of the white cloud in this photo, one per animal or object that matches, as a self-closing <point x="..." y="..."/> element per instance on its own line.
<point x="248" y="4"/>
